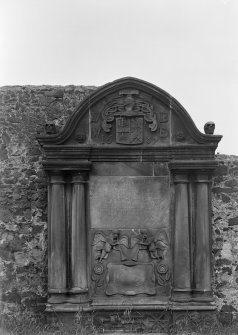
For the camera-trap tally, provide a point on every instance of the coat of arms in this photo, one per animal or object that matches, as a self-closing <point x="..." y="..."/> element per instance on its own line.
<point x="130" y="112"/>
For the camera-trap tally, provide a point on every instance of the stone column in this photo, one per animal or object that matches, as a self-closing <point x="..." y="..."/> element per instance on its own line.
<point x="78" y="254"/>
<point x="57" y="234"/>
<point x="202" y="258"/>
<point x="182" y="271"/>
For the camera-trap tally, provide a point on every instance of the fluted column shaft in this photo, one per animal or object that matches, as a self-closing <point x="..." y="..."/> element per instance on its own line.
<point x="78" y="254"/>
<point x="57" y="234"/>
<point x="182" y="271"/>
<point x="202" y="258"/>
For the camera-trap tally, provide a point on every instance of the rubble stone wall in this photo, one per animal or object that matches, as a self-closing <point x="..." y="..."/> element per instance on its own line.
<point x="24" y="111"/>
<point x="225" y="233"/>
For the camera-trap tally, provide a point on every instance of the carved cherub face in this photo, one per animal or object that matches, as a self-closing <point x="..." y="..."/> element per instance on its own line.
<point x="209" y="128"/>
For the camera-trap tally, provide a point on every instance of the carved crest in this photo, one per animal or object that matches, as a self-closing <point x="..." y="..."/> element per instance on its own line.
<point x="130" y="112"/>
<point x="129" y="130"/>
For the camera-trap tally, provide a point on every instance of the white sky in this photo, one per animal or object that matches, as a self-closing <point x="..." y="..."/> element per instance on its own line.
<point x="189" y="48"/>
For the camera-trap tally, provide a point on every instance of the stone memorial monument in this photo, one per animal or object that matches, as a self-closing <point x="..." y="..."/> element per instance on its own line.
<point x="129" y="209"/>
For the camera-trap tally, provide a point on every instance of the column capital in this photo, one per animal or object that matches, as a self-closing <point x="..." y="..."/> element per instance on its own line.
<point x="189" y="166"/>
<point x="180" y="178"/>
<point x="56" y="177"/>
<point x="79" y="177"/>
<point x="67" y="165"/>
<point x="203" y="177"/>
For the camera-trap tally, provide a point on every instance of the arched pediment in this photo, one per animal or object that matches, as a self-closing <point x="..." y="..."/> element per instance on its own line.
<point x="130" y="113"/>
<point x="129" y="204"/>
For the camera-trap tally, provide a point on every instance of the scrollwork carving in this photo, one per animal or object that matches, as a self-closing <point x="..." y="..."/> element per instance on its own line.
<point x="129" y="117"/>
<point x="127" y="105"/>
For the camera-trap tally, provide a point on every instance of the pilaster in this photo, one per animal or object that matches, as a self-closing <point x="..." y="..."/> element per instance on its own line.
<point x="202" y="255"/>
<point x="182" y="271"/>
<point x="78" y="236"/>
<point x="57" y="235"/>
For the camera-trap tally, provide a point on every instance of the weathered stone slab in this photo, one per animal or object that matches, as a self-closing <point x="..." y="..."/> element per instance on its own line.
<point x="129" y="202"/>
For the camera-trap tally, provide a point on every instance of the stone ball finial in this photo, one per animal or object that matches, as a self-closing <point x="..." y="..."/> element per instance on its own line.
<point x="209" y="128"/>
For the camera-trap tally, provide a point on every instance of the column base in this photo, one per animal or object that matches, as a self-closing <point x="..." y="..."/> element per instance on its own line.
<point x="57" y="298"/>
<point x="202" y="295"/>
<point x="57" y="290"/>
<point x="69" y="298"/>
<point x="78" y="290"/>
<point x="181" y="295"/>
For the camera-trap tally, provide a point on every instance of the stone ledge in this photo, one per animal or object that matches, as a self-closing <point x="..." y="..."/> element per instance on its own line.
<point x="74" y="308"/>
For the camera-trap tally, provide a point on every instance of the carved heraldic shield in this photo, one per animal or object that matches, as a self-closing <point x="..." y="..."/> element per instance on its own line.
<point x="130" y="112"/>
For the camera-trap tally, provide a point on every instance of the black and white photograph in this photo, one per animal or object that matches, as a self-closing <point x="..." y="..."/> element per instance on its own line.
<point x="118" y="167"/>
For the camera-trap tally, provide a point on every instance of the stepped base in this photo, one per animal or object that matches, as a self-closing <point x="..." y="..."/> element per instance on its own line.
<point x="136" y="319"/>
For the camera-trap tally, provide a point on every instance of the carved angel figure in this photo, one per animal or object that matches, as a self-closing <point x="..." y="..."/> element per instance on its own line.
<point x="144" y="240"/>
<point x="158" y="246"/>
<point x="102" y="247"/>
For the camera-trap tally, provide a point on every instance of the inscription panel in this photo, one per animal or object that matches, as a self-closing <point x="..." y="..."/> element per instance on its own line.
<point x="130" y="280"/>
<point x="129" y="202"/>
